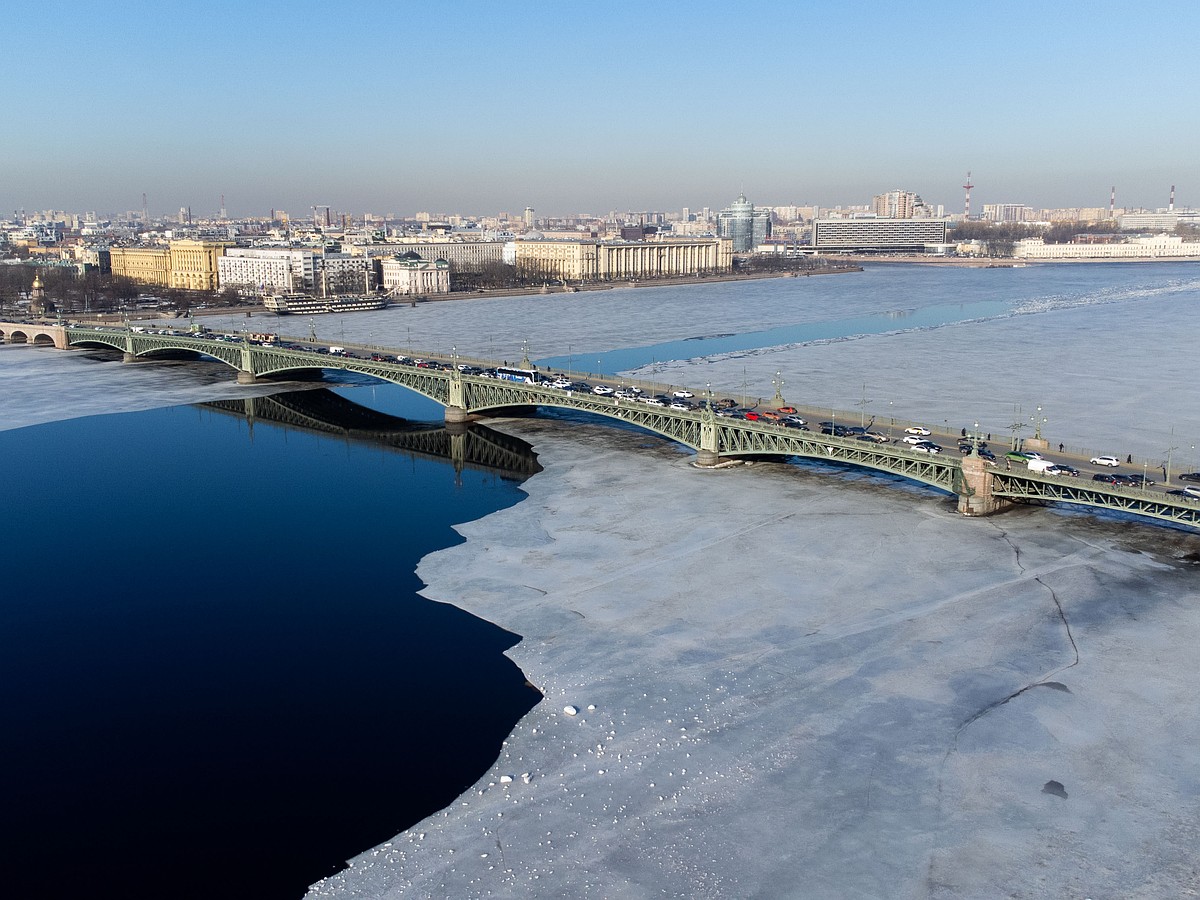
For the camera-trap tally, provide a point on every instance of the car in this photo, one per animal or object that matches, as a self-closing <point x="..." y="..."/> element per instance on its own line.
<point x="652" y="401"/>
<point x="927" y="447"/>
<point x="788" y="410"/>
<point x="1106" y="478"/>
<point x="912" y="439"/>
<point x="1060" y="469"/>
<point x="988" y="455"/>
<point x="1105" y="461"/>
<point x="683" y="395"/>
<point x="680" y="404"/>
<point x="1030" y="454"/>
<point x="1017" y="456"/>
<point x="917" y="429"/>
<point x="1190" y="476"/>
<point x="602" y="389"/>
<point x="793" y="419"/>
<point x="1191" y="491"/>
<point x="751" y="416"/>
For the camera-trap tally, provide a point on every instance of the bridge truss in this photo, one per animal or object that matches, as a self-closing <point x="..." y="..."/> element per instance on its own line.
<point x="712" y="436"/>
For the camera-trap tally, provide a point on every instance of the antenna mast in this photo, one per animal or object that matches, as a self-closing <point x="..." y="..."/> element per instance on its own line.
<point x="967" y="205"/>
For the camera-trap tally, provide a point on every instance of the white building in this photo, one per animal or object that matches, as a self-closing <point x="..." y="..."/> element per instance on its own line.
<point x="267" y="270"/>
<point x="463" y="256"/>
<point x="411" y="276"/>
<point x="1159" y="246"/>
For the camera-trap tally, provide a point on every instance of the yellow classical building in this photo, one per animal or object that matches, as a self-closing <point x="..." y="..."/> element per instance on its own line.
<point x="606" y="260"/>
<point x="145" y="265"/>
<point x="187" y="264"/>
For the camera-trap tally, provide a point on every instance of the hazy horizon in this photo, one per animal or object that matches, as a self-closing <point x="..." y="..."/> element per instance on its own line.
<point x="482" y="109"/>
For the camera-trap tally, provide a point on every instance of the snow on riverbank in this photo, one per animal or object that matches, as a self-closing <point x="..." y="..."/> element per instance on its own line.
<point x="796" y="683"/>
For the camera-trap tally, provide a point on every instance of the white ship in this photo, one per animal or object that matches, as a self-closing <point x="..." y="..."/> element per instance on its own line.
<point x="304" y="305"/>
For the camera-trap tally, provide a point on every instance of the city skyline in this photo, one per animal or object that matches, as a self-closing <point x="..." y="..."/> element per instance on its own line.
<point x="484" y="109"/>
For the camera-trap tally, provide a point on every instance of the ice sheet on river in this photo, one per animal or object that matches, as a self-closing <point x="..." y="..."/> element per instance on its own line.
<point x="810" y="684"/>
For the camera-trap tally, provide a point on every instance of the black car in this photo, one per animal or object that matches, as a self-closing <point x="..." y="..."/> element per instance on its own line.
<point x="1060" y="469"/>
<point x="1107" y="478"/>
<point x="1190" y="476"/>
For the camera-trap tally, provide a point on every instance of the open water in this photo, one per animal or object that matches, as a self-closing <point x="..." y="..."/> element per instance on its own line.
<point x="216" y="676"/>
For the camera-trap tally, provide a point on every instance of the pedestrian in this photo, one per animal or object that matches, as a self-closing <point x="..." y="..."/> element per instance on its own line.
<point x="1007" y="466"/>
<point x="1060" y="448"/>
<point x="1129" y="458"/>
<point x="989" y="435"/>
<point x="964" y="432"/>
<point x="1165" y="474"/>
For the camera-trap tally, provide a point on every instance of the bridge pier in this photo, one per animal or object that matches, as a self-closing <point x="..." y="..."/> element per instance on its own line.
<point x="975" y="497"/>
<point x="244" y="377"/>
<point x="707" y="458"/>
<point x="129" y="358"/>
<point x="456" y="414"/>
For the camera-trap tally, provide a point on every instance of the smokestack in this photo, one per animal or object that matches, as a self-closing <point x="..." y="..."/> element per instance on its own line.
<point x="1171" y="205"/>
<point x="1112" y="202"/>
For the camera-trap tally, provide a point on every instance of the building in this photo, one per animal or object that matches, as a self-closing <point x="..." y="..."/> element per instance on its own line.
<point x="410" y="275"/>
<point x="463" y="256"/>
<point x="743" y="225"/>
<point x="592" y="260"/>
<point x="194" y="264"/>
<point x="1008" y="212"/>
<point x="898" y="205"/>
<point x="144" y="265"/>
<point x="1157" y="221"/>
<point x="1159" y="246"/>
<point x="890" y="235"/>
<point x="268" y="270"/>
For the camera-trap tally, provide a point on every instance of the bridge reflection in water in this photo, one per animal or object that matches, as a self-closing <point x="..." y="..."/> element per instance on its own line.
<point x="466" y="446"/>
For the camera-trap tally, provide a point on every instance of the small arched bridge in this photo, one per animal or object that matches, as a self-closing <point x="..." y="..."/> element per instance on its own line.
<point x="980" y="488"/>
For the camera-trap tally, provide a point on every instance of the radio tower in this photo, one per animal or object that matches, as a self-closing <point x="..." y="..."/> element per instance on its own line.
<point x="967" y="208"/>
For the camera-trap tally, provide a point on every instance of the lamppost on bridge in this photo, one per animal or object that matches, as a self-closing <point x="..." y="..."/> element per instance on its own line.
<point x="525" y="364"/>
<point x="1170" y="450"/>
<point x="778" y="382"/>
<point x="1038" y="421"/>
<point x="570" y="359"/>
<point x="862" y="404"/>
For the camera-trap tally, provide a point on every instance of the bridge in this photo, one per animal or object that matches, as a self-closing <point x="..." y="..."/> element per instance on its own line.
<point x="981" y="489"/>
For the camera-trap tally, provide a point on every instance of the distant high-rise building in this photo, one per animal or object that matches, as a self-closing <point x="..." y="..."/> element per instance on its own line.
<point x="898" y="205"/>
<point x="743" y="225"/>
<point x="529" y="217"/>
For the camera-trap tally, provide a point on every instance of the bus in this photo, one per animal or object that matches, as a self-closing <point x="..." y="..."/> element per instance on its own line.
<point x="525" y="376"/>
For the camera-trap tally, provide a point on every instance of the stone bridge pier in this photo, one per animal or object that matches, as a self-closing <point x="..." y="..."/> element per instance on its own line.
<point x="975" y="496"/>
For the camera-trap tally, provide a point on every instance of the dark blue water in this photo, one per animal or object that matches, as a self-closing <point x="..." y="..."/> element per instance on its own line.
<point x="216" y="676"/>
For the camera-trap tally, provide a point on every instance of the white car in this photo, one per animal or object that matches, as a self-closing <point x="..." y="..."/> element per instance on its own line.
<point x="917" y="429"/>
<point x="926" y="447"/>
<point x="1192" y="491"/>
<point x="683" y="395"/>
<point x="913" y="439"/>
<point x="1105" y="461"/>
<point x="602" y="389"/>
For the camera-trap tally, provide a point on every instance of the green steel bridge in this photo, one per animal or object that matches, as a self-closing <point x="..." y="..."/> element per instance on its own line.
<point x="980" y="488"/>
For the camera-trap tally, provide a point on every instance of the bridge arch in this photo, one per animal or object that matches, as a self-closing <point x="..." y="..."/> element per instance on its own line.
<point x="17" y="337"/>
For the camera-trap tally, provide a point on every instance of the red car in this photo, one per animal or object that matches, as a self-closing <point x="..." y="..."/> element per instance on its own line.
<point x="752" y="416"/>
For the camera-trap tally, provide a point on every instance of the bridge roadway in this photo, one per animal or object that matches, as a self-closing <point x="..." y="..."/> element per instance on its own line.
<point x="981" y="489"/>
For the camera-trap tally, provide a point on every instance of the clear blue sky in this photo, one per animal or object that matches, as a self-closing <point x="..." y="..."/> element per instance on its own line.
<point x="480" y="107"/>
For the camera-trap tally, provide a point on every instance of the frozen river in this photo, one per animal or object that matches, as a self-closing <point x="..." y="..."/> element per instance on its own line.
<point x="797" y="681"/>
